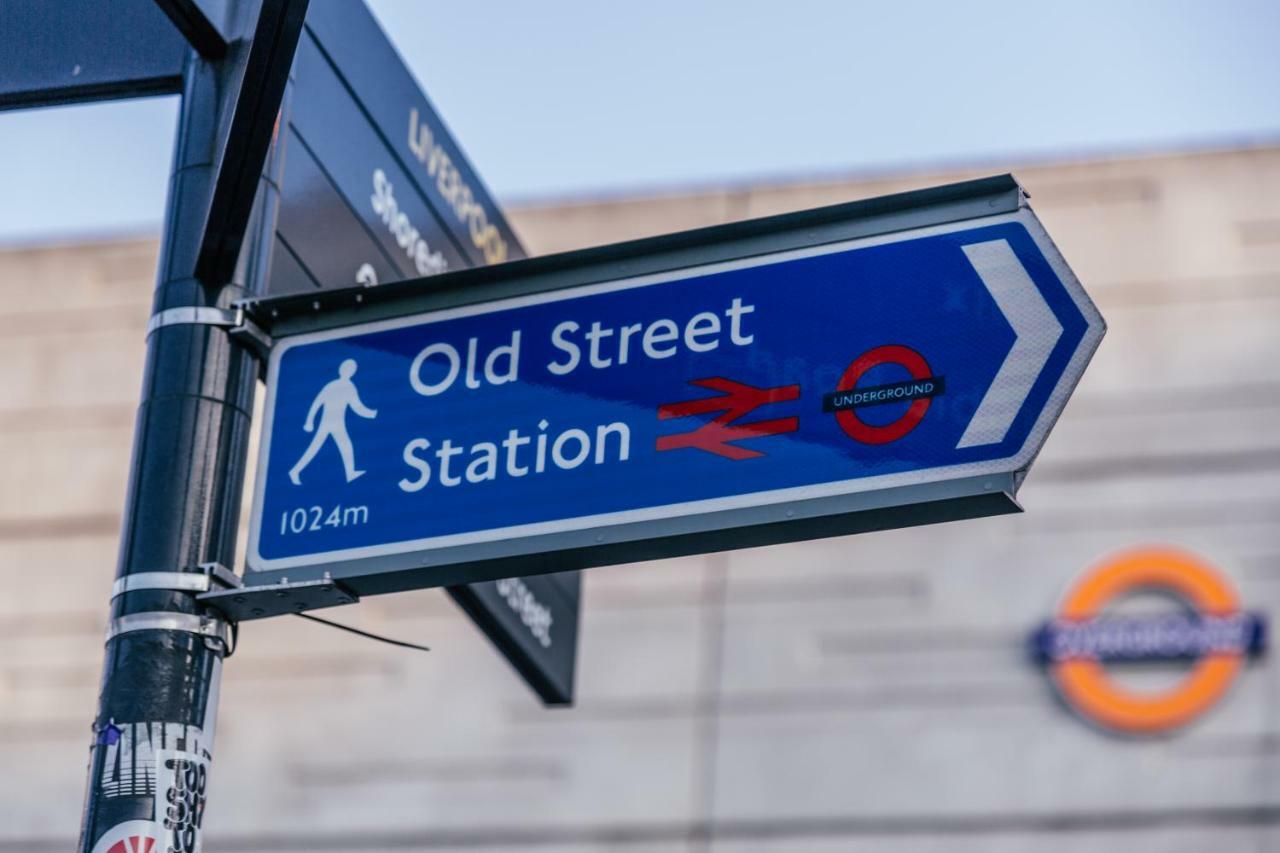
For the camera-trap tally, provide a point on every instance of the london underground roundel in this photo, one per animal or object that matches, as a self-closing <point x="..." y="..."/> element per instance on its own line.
<point x="919" y="390"/>
<point x="1211" y="633"/>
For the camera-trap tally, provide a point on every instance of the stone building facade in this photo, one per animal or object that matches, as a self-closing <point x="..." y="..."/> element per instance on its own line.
<point x="871" y="693"/>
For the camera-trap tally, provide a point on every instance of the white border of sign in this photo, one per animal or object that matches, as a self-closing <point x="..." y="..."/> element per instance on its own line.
<point x="1016" y="462"/>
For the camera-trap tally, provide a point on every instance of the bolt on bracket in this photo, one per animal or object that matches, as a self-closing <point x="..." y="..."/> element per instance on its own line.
<point x="260" y="602"/>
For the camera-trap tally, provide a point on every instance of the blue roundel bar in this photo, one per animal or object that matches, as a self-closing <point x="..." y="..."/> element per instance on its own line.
<point x="1150" y="638"/>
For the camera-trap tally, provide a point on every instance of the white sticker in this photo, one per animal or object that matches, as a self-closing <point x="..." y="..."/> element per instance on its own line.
<point x="182" y="784"/>
<point x="128" y="766"/>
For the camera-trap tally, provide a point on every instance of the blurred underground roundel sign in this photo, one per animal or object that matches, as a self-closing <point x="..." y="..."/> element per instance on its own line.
<point x="885" y="363"/>
<point x="1210" y="632"/>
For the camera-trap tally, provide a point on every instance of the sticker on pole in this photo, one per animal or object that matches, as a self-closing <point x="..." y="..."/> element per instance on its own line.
<point x="182" y="780"/>
<point x="132" y="836"/>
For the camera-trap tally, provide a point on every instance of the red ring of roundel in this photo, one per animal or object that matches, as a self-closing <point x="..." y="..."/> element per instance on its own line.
<point x="906" y="357"/>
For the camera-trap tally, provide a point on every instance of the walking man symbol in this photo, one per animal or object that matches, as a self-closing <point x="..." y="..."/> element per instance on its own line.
<point x="331" y="404"/>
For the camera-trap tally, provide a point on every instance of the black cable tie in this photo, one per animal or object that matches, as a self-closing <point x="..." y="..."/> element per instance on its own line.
<point x="402" y="643"/>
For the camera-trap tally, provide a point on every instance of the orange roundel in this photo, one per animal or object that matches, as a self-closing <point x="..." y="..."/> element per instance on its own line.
<point x="1220" y="634"/>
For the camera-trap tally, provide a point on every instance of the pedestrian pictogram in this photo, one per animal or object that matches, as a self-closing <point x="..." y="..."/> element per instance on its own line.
<point x="735" y="401"/>
<point x="331" y="405"/>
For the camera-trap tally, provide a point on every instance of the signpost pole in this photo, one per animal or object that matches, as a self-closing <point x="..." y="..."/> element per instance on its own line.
<point x="154" y="729"/>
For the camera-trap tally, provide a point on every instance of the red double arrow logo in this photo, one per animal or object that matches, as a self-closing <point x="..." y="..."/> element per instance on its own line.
<point x="736" y="400"/>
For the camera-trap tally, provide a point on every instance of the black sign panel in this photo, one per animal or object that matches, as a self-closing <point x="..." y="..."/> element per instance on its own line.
<point x="322" y="235"/>
<point x="72" y="51"/>
<point x="396" y="105"/>
<point x="372" y="176"/>
<point x="375" y="189"/>
<point x="534" y="623"/>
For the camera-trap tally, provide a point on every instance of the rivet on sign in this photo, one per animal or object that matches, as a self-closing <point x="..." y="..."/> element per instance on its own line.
<point x="790" y="513"/>
<point x="257" y="611"/>
<point x="315" y="306"/>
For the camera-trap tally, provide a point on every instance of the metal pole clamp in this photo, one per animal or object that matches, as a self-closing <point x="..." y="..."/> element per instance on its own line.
<point x="199" y="315"/>
<point x="209" y="576"/>
<point x="187" y="581"/>
<point x="234" y="320"/>
<point x="209" y="627"/>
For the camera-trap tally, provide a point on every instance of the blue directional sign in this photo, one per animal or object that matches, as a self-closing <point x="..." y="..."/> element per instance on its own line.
<point x="795" y="387"/>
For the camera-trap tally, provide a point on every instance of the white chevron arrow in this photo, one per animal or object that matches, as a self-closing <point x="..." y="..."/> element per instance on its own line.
<point x="1036" y="331"/>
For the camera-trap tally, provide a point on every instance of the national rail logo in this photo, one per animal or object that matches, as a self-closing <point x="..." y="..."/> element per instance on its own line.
<point x="1210" y="631"/>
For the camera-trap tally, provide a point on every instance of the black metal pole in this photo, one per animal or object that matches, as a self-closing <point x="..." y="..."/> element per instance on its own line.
<point x="154" y="729"/>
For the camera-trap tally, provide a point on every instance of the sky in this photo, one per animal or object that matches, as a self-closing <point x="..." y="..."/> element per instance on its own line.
<point x="570" y="99"/>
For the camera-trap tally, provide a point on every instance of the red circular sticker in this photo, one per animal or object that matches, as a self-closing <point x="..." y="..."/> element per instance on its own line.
<point x="132" y="836"/>
<point x="855" y="427"/>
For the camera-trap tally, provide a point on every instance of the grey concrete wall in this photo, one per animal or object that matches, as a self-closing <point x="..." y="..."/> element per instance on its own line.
<point x="859" y="694"/>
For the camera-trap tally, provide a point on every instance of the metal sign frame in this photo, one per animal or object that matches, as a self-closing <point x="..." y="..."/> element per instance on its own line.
<point x="255" y="84"/>
<point x="682" y="530"/>
<point x="79" y="51"/>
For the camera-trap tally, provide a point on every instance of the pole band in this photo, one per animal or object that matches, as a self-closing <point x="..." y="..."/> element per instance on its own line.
<point x="203" y="316"/>
<point x="204" y="626"/>
<point x="187" y="581"/>
<point x="209" y="576"/>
